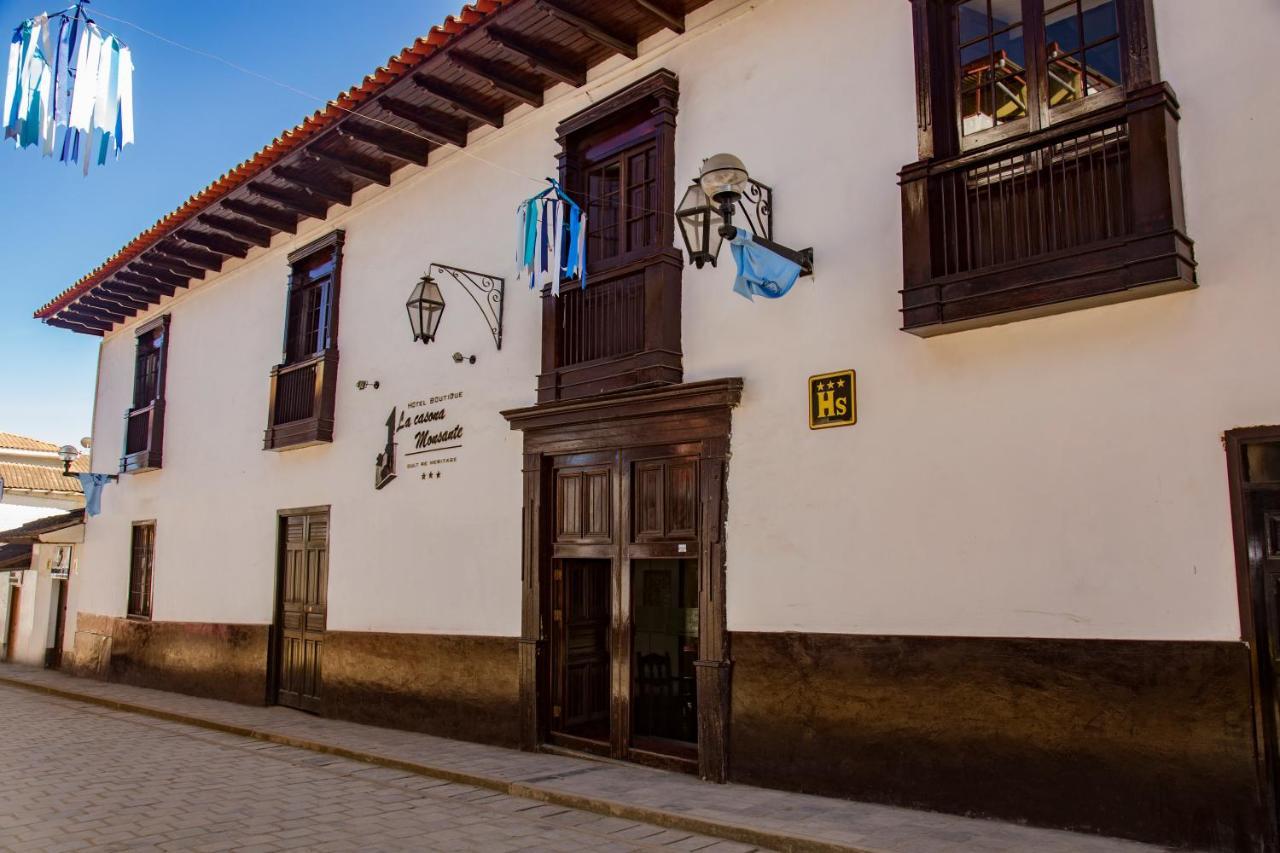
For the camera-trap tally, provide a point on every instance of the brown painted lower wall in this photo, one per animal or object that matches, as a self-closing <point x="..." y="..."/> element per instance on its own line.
<point x="1148" y="740"/>
<point x="453" y="686"/>
<point x="218" y="661"/>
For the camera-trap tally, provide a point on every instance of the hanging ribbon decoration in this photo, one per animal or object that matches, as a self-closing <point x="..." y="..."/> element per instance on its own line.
<point x="69" y="88"/>
<point x="551" y="242"/>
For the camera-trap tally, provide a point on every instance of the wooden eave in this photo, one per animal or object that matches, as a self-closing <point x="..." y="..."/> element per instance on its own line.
<point x="465" y="74"/>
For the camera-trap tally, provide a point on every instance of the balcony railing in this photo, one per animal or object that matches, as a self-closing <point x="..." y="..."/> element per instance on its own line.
<point x="604" y="321"/>
<point x="622" y="331"/>
<point x="1077" y="215"/>
<point x="143" y="438"/>
<point x="302" y="402"/>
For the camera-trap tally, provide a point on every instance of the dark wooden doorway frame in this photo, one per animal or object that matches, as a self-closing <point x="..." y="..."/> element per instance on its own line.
<point x="1265" y="734"/>
<point x="695" y="414"/>
<point x="276" y="638"/>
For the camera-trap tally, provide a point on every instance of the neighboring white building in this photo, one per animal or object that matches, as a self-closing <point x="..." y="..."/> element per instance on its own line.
<point x="1028" y="582"/>
<point x="39" y="561"/>
<point x="33" y="483"/>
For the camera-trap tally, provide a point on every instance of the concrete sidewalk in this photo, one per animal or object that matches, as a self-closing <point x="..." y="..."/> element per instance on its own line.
<point x="756" y="816"/>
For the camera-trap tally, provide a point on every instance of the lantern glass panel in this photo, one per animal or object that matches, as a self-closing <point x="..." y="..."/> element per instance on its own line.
<point x="700" y="222"/>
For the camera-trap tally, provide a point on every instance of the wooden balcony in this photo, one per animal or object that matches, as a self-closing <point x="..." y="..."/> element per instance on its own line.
<point x="1085" y="213"/>
<point x="622" y="331"/>
<point x="143" y="438"/>
<point x="302" y="402"/>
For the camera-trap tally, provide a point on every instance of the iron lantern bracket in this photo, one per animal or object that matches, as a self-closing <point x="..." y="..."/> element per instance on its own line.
<point x="488" y="292"/>
<point x="756" y="204"/>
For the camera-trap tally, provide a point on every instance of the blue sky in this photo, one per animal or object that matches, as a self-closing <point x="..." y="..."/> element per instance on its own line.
<point x="195" y="118"/>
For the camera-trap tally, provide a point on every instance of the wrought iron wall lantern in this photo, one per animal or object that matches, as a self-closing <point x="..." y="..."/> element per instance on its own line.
<point x="426" y="302"/>
<point x="706" y="212"/>
<point x="69" y="454"/>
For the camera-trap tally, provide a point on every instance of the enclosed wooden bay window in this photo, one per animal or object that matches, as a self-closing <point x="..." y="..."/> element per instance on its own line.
<point x="623" y="330"/>
<point x="304" y="384"/>
<point x="1048" y="177"/>
<point x="144" y="422"/>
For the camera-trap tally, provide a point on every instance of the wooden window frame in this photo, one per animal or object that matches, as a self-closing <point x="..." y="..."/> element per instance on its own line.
<point x="309" y="382"/>
<point x="143" y="613"/>
<point x="655" y="270"/>
<point x="1148" y="253"/>
<point x="147" y="416"/>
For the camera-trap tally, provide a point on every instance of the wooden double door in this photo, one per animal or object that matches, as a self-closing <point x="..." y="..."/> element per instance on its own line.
<point x="301" y="615"/>
<point x="627" y="603"/>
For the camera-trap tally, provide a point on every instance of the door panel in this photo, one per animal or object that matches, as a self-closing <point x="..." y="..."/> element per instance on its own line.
<point x="665" y="499"/>
<point x="303" y="610"/>
<point x="584" y="504"/>
<point x="581" y="617"/>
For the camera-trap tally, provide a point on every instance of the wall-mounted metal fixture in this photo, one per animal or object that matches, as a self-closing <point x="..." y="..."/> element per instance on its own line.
<point x="362" y="384"/>
<point x="69" y="454"/>
<point x="426" y="303"/>
<point x="706" y="212"/>
<point x="458" y="358"/>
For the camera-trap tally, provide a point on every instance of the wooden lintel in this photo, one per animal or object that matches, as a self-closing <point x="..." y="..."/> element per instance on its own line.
<point x="391" y="141"/>
<point x="153" y="286"/>
<point x="590" y="29"/>
<point x="497" y="80"/>
<point x="269" y="217"/>
<point x="670" y="20"/>
<point x="329" y="189"/>
<point x="295" y="201"/>
<point x="439" y="128"/>
<point x="538" y="59"/>
<point x="215" y="242"/>
<point x="459" y="101"/>
<point x="240" y="229"/>
<point x="107" y="305"/>
<point x="369" y="168"/>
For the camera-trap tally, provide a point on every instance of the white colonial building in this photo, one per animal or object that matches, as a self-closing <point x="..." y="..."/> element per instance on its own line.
<point x="1019" y="576"/>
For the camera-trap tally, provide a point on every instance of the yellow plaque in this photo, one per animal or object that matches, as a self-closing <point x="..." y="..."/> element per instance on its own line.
<point x="833" y="399"/>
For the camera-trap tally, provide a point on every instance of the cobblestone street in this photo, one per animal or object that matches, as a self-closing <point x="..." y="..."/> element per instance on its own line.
<point x="79" y="776"/>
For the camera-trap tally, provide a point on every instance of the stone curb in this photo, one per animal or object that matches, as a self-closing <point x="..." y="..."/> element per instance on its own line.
<point x="596" y="805"/>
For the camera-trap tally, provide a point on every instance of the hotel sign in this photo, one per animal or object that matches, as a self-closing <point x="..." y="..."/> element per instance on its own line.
<point x="833" y="399"/>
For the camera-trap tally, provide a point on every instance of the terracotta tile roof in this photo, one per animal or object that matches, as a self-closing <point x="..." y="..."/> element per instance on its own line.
<point x="9" y="441"/>
<point x="397" y="67"/>
<point x="41" y="478"/>
<point x="27" y="533"/>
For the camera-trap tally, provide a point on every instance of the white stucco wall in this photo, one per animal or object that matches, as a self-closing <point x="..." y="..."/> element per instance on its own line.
<point x="1058" y="477"/>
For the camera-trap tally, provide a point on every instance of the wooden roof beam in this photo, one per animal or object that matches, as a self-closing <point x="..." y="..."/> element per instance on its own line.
<point x="333" y="190"/>
<point x="139" y="296"/>
<point x="240" y="229"/>
<point x="670" y="20"/>
<point x="569" y="72"/>
<point x="185" y="260"/>
<point x="439" y="128"/>
<point x="153" y="286"/>
<point x="497" y="79"/>
<point x="85" y="314"/>
<point x="105" y="303"/>
<point x="164" y="276"/>
<point x="72" y="325"/>
<point x="458" y="101"/>
<point x="390" y="140"/>
<point x="126" y="304"/>
<point x="295" y="201"/>
<point x="268" y="217"/>
<point x="589" y="28"/>
<point x="215" y="242"/>
<point x="356" y="165"/>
